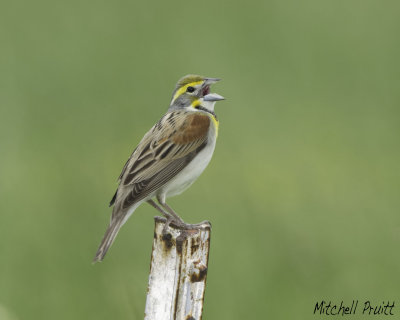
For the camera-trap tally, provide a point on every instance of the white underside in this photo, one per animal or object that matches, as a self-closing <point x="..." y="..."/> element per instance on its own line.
<point x="184" y="178"/>
<point x="191" y="172"/>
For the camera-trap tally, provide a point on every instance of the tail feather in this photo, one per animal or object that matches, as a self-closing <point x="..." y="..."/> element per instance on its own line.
<point x="108" y="239"/>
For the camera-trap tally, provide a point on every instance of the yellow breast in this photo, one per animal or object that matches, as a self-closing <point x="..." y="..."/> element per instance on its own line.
<point x="216" y="123"/>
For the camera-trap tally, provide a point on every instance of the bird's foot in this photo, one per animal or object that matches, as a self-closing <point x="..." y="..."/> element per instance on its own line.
<point x="165" y="228"/>
<point x="197" y="226"/>
<point x="181" y="225"/>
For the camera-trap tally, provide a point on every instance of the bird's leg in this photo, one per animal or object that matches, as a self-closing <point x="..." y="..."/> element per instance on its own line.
<point x="155" y="205"/>
<point x="179" y="222"/>
<point x="177" y="218"/>
<point x="167" y="215"/>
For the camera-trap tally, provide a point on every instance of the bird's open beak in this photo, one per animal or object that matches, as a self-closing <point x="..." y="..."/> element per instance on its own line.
<point x="213" y="97"/>
<point x="205" y="88"/>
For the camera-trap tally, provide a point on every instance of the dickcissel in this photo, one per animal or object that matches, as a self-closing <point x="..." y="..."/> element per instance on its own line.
<point x="169" y="158"/>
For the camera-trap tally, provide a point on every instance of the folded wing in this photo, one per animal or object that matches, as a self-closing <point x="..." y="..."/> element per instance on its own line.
<point x="163" y="152"/>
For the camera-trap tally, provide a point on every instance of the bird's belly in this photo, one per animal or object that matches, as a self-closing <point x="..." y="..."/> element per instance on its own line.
<point x="190" y="173"/>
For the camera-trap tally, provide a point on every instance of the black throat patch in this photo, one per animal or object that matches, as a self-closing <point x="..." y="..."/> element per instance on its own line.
<point x="206" y="110"/>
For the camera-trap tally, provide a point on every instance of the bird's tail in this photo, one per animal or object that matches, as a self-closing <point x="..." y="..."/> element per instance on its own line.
<point x="108" y="239"/>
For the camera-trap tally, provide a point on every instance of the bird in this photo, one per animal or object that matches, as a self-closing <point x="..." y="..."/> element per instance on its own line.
<point x="169" y="158"/>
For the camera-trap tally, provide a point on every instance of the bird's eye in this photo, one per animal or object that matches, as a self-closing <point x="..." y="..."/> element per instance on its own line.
<point x="190" y="89"/>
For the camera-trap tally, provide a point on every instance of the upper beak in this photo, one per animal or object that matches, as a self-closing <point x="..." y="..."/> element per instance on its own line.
<point x="213" y="97"/>
<point x="209" y="81"/>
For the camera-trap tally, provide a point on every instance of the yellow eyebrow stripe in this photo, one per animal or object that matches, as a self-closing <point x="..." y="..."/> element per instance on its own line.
<point x="181" y="90"/>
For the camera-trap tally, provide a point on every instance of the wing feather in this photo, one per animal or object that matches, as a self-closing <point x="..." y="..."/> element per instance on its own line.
<point x="162" y="153"/>
<point x="158" y="180"/>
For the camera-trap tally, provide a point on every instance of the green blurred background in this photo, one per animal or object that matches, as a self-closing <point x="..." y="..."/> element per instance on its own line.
<point x="303" y="189"/>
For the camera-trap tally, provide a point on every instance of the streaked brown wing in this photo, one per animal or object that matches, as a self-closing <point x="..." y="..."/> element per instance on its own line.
<point x="164" y="151"/>
<point x="143" y="188"/>
<point x="120" y="176"/>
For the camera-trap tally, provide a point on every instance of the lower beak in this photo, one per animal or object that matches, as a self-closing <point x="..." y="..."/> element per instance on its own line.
<point x="213" y="97"/>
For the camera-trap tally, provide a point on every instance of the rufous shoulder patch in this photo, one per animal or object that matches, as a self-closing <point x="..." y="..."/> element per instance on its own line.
<point x="195" y="128"/>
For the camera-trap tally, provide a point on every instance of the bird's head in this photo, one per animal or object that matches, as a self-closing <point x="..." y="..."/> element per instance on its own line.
<point x="193" y="88"/>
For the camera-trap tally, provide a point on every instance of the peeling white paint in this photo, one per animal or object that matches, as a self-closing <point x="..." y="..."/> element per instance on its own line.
<point x="178" y="273"/>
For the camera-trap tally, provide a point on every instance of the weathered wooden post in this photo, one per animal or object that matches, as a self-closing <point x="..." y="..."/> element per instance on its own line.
<point x="178" y="273"/>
